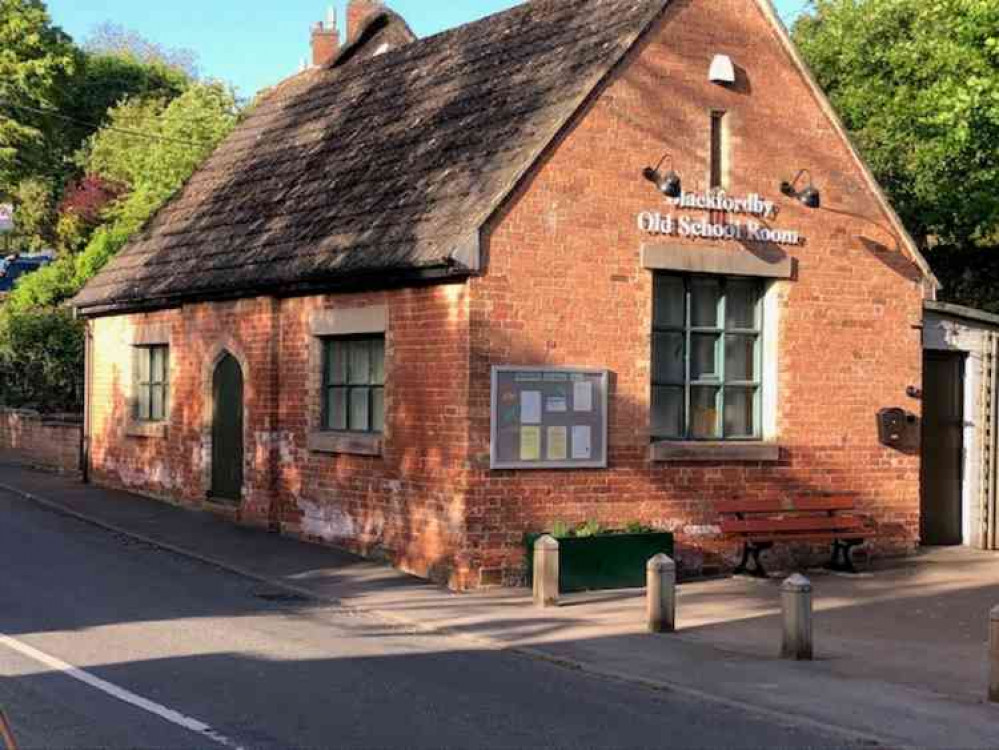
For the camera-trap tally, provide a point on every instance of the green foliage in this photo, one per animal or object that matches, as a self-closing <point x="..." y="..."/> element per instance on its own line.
<point x="41" y="360"/>
<point x="588" y="529"/>
<point x="34" y="203"/>
<point x="153" y="170"/>
<point x="36" y="60"/>
<point x="44" y="288"/>
<point x="917" y="84"/>
<point x="103" y="80"/>
<point x="111" y="40"/>
<point x="561" y="530"/>
<point x="969" y="274"/>
<point x="637" y="527"/>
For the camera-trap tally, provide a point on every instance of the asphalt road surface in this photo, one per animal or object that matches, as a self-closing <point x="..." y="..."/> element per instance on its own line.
<point x="108" y="643"/>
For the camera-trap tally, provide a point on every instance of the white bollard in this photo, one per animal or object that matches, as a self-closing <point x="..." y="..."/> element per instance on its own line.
<point x="660" y="592"/>
<point x="546" y="572"/>
<point x="994" y="655"/>
<point x="796" y="605"/>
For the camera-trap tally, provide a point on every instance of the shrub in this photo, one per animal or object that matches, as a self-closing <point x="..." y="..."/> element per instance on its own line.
<point x="41" y="360"/>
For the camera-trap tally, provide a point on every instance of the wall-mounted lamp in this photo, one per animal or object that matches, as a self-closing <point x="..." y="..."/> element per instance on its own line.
<point x="668" y="183"/>
<point x="810" y="195"/>
<point x="722" y="70"/>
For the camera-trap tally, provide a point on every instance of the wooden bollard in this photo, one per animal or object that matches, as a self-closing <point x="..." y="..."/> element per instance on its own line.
<point x="796" y="606"/>
<point x="546" y="572"/>
<point x="660" y="592"/>
<point x="994" y="655"/>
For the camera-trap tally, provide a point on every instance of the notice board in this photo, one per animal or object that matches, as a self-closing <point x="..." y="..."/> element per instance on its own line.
<point x="548" y="418"/>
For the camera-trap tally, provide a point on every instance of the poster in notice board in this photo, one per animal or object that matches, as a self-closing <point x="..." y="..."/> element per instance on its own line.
<point x="548" y="418"/>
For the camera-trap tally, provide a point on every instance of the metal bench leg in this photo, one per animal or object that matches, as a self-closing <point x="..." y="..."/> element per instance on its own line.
<point x="752" y="551"/>
<point x="842" y="555"/>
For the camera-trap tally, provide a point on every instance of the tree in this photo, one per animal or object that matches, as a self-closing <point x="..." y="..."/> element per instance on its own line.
<point x="34" y="203"/>
<point x="110" y="39"/>
<point x="41" y="361"/>
<point x="36" y="60"/>
<point x="917" y="84"/>
<point x="145" y="171"/>
<point x="41" y="346"/>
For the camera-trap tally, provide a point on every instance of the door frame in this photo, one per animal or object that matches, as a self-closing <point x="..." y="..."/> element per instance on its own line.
<point x="219" y="351"/>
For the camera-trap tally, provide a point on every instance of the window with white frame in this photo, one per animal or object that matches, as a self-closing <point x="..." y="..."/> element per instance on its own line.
<point x="707" y="350"/>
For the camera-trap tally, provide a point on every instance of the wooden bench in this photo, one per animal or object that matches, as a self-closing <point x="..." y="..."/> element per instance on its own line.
<point x="760" y="524"/>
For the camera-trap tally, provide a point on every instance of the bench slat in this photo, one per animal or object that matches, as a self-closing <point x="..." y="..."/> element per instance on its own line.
<point x="806" y="536"/>
<point x="797" y="523"/>
<point x="830" y="503"/>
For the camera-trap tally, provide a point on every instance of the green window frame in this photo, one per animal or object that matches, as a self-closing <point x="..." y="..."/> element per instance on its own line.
<point x="152" y="383"/>
<point x="353" y="397"/>
<point x="707" y="352"/>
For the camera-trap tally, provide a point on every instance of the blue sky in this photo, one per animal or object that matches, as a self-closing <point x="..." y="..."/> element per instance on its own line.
<point x="256" y="43"/>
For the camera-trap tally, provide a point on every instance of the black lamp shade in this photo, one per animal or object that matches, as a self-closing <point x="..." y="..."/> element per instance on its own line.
<point x="670" y="185"/>
<point x="810" y="197"/>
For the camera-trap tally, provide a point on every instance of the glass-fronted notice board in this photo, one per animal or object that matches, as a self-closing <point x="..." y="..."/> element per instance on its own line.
<point x="548" y="418"/>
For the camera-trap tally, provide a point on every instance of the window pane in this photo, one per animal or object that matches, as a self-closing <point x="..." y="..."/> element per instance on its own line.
<point x="143" y="361"/>
<point x="378" y="410"/>
<point x="703" y="356"/>
<point x="671" y="301"/>
<point x="741" y="301"/>
<point x="739" y="411"/>
<point x="704" y="412"/>
<point x="705" y="295"/>
<point x="359" y="416"/>
<point x="360" y="362"/>
<point x="156" y="407"/>
<point x="667" y="412"/>
<point x="336" y="409"/>
<point x="159" y="364"/>
<point x="336" y="363"/>
<point x="378" y="361"/>
<point x="667" y="358"/>
<point x="740" y="358"/>
<point x="144" y="400"/>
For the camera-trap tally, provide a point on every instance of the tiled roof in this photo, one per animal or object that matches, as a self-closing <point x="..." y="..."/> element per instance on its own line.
<point x="377" y="169"/>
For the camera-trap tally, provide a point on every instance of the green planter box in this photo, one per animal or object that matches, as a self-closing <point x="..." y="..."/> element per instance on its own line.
<point x="609" y="561"/>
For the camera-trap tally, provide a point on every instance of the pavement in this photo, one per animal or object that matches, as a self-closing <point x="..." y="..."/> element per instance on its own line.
<point x="900" y="649"/>
<point x="113" y="643"/>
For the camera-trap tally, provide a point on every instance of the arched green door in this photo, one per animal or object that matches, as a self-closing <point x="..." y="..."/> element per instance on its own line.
<point x="227" y="431"/>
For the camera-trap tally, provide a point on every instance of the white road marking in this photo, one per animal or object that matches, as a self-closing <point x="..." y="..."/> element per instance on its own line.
<point x="167" y="714"/>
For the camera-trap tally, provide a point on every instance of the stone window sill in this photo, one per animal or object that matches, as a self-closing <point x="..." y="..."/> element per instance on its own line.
<point x="146" y="429"/>
<point x="748" y="452"/>
<point x="350" y="443"/>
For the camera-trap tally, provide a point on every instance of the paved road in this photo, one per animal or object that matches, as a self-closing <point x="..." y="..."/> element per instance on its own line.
<point x="108" y="643"/>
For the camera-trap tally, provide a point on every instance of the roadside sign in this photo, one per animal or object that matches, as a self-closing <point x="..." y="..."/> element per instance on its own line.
<point x="6" y="217"/>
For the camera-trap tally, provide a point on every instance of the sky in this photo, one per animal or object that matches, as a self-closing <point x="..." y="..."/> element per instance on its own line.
<point x="256" y="43"/>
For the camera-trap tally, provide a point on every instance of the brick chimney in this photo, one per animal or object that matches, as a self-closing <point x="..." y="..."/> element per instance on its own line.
<point x="358" y="13"/>
<point x="325" y="40"/>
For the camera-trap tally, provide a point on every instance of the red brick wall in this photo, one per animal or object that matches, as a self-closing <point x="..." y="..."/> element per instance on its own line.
<point x="175" y="465"/>
<point x="565" y="286"/>
<point x="406" y="505"/>
<point x="27" y="437"/>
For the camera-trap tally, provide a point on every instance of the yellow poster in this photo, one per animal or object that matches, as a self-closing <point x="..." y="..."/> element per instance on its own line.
<point x="530" y="443"/>
<point x="558" y="443"/>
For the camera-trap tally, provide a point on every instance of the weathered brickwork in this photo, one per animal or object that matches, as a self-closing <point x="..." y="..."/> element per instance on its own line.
<point x="563" y="284"/>
<point x="49" y="442"/>
<point x="406" y="504"/>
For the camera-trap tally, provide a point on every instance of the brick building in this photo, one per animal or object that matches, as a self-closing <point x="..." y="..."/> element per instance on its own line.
<point x="307" y="337"/>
